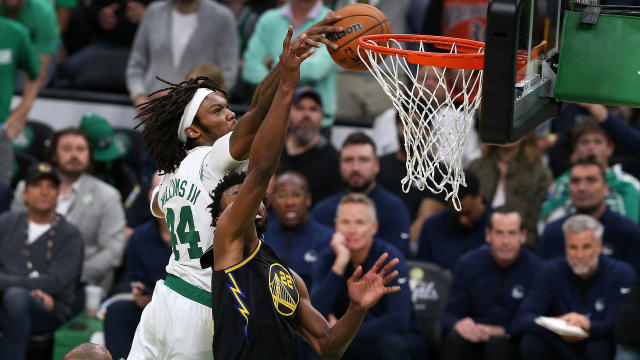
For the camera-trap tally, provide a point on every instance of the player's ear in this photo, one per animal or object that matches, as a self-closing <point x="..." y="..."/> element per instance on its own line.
<point x="192" y="132"/>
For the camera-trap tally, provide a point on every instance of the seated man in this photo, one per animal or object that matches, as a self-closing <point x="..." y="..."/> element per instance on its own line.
<point x="359" y="167"/>
<point x="147" y="256"/>
<point x="588" y="190"/>
<point x="449" y="233"/>
<point x="590" y="141"/>
<point x="584" y="289"/>
<point x="489" y="284"/>
<point x="40" y="264"/>
<point x="390" y="330"/>
<point x="294" y="236"/>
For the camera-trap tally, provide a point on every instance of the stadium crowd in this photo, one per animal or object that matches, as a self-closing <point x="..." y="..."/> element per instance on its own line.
<point x="548" y="226"/>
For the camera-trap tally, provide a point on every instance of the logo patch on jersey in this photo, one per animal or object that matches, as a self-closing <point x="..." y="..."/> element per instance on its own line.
<point x="284" y="292"/>
<point x="6" y="55"/>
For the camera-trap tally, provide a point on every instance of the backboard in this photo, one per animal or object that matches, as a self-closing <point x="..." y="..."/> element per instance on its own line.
<point x="522" y="39"/>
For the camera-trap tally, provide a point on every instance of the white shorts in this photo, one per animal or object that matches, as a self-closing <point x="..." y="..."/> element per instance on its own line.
<point x="173" y="327"/>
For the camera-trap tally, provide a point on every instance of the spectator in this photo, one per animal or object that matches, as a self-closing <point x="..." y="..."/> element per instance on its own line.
<point x="16" y="53"/>
<point x="265" y="45"/>
<point x="360" y="97"/>
<point x="421" y="204"/>
<point x="88" y="203"/>
<point x="64" y="8"/>
<point x="112" y="25"/>
<point x="88" y="351"/>
<point x="588" y="190"/>
<point x="359" y="167"/>
<point x="626" y="332"/>
<point x="147" y="256"/>
<point x="40" y="20"/>
<point x="448" y="234"/>
<point x="40" y="263"/>
<point x="514" y="175"/>
<point x="307" y="151"/>
<point x="295" y="237"/>
<point x="489" y="284"/>
<point x="387" y="331"/>
<point x="584" y="289"/>
<point x="246" y="17"/>
<point x="216" y="40"/>
<point x="590" y="141"/>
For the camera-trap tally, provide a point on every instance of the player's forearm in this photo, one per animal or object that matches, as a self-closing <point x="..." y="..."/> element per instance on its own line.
<point x="344" y="331"/>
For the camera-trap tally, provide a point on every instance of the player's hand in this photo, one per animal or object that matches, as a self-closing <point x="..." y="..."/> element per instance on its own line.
<point x="107" y="17"/>
<point x="289" y="60"/>
<point x="47" y="300"/>
<point x="315" y="34"/>
<point x="135" y="11"/>
<point x="365" y="290"/>
<point x="16" y="121"/>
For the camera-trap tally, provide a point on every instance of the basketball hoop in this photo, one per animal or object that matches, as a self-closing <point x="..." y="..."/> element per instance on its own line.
<point x="436" y="90"/>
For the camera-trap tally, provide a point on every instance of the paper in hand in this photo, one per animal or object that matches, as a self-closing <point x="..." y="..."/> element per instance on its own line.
<point x="560" y="327"/>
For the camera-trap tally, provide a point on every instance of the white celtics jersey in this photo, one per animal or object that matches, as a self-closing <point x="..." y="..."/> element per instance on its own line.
<point x="184" y="197"/>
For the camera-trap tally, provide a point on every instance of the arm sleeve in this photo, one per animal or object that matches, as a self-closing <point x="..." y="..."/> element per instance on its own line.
<point x="397" y="308"/>
<point x="622" y="133"/>
<point x="604" y="327"/>
<point x="28" y="59"/>
<point x="253" y="68"/>
<point x="457" y="299"/>
<point x="139" y="57"/>
<point x="228" y="40"/>
<point x="46" y="36"/>
<point x="110" y="239"/>
<point x="535" y="303"/>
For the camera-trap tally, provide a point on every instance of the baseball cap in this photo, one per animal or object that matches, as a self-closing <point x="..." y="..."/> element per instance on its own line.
<point x="306" y="91"/>
<point x="39" y="170"/>
<point x="101" y="134"/>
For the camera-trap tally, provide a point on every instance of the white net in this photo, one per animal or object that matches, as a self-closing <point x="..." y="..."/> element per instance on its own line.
<point x="436" y="106"/>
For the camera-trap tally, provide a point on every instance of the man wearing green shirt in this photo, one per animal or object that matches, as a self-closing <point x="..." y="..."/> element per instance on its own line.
<point x="265" y="45"/>
<point x="590" y="141"/>
<point x="16" y="52"/>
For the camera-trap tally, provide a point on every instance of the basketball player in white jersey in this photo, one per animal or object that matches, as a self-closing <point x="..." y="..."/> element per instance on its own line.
<point x="194" y="139"/>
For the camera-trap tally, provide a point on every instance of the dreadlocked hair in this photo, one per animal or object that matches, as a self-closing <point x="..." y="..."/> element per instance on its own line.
<point x="230" y="179"/>
<point x="161" y="117"/>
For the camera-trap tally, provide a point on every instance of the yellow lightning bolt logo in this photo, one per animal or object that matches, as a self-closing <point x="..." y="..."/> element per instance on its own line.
<point x="238" y="295"/>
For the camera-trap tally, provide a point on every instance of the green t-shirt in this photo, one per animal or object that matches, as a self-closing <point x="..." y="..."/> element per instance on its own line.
<point x="71" y="4"/>
<point x="39" y="18"/>
<point x="16" y="52"/>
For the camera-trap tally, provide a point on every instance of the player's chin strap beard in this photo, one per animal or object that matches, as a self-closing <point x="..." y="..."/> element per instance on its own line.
<point x="190" y="112"/>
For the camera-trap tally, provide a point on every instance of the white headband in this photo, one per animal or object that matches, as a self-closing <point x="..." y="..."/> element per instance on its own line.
<point x="190" y="112"/>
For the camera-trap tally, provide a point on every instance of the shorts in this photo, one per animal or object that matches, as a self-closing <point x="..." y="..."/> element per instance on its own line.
<point x="173" y="326"/>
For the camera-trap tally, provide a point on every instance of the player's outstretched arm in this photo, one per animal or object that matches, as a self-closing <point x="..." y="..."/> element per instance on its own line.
<point x="243" y="134"/>
<point x="264" y="156"/>
<point x="364" y="292"/>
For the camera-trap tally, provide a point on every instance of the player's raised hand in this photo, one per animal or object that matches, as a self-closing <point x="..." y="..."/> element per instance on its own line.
<point x="315" y="34"/>
<point x="289" y="60"/>
<point x="365" y="290"/>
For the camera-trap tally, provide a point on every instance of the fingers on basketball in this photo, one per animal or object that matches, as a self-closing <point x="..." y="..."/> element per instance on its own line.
<point x="357" y="20"/>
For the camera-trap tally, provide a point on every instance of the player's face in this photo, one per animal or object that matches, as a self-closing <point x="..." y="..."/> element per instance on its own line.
<point x="72" y="154"/>
<point x="505" y="237"/>
<point x="41" y="195"/>
<point x="230" y="195"/>
<point x="215" y="117"/>
<point x="582" y="251"/>
<point x="291" y="201"/>
<point x="358" y="166"/>
<point x="594" y="145"/>
<point x="354" y="222"/>
<point x="305" y="118"/>
<point x="587" y="188"/>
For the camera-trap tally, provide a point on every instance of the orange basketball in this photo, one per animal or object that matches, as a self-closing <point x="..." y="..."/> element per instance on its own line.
<point x="357" y="20"/>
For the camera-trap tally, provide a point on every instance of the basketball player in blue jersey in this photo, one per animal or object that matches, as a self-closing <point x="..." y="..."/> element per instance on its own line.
<point x="194" y="139"/>
<point x="258" y="302"/>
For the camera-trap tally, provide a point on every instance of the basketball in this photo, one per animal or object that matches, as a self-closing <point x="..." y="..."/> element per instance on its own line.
<point x="357" y="20"/>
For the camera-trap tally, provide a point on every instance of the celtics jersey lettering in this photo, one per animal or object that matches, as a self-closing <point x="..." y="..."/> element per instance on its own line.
<point x="184" y="197"/>
<point x="254" y="308"/>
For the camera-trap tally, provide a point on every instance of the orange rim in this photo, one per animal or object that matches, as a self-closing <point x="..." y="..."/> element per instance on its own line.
<point x="470" y="53"/>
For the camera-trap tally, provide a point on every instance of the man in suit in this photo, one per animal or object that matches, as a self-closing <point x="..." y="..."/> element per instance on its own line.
<point x="88" y="203"/>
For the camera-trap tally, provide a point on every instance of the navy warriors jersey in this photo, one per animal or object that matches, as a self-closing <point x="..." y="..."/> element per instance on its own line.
<point x="183" y="196"/>
<point x="254" y="308"/>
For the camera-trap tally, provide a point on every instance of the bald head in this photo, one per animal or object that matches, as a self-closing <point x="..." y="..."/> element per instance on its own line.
<point x="291" y="178"/>
<point x="88" y="351"/>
